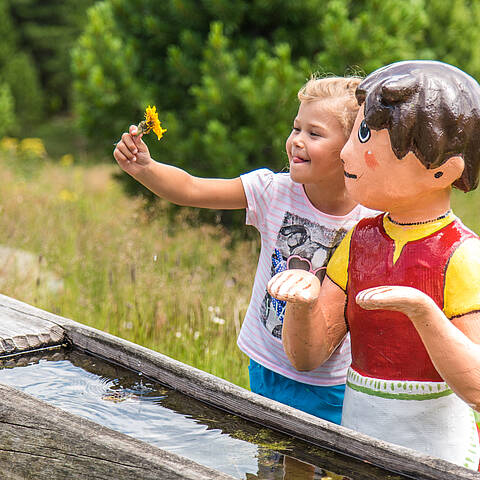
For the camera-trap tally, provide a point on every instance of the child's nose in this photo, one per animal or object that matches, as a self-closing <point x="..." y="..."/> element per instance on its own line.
<point x="298" y="140"/>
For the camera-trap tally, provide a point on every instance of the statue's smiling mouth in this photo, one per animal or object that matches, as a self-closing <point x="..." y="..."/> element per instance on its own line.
<point x="349" y="175"/>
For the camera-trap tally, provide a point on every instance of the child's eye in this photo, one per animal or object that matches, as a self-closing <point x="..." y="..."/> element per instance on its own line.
<point x="295" y="129"/>
<point x="364" y="132"/>
<point x="314" y="134"/>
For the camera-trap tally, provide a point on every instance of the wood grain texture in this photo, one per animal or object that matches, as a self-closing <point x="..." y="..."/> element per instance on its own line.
<point x="236" y="400"/>
<point x="19" y="333"/>
<point x="39" y="441"/>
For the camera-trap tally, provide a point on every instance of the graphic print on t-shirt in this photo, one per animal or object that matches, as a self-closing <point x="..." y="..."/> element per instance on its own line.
<point x="300" y="244"/>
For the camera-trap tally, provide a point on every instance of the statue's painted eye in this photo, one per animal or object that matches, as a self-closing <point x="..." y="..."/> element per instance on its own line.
<point x="364" y="132"/>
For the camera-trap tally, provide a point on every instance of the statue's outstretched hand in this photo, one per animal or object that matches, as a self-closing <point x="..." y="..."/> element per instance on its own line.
<point x="410" y="301"/>
<point x="295" y="286"/>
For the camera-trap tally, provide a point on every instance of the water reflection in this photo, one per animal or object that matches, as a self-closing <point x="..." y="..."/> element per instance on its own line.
<point x="127" y="402"/>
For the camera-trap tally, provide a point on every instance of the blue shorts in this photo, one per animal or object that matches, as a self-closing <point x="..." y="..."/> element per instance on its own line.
<point x="323" y="402"/>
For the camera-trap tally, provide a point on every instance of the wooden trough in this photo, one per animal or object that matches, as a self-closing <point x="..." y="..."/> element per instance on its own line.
<point x="40" y="441"/>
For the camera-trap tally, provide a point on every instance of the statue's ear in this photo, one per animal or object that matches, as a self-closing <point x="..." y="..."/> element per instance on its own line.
<point x="399" y="88"/>
<point x="450" y="171"/>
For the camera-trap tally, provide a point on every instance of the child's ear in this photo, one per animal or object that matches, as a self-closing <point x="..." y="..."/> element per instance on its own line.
<point x="451" y="170"/>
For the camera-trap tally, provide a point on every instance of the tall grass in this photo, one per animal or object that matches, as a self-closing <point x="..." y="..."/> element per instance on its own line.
<point x="467" y="207"/>
<point x="176" y="286"/>
<point x="171" y="285"/>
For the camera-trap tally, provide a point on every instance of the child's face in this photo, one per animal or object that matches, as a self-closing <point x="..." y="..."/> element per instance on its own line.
<point x="314" y="145"/>
<point x="376" y="178"/>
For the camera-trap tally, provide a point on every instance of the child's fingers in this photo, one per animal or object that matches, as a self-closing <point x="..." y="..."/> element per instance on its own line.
<point x="129" y="142"/>
<point x="128" y="150"/>
<point x="120" y="157"/>
<point x="137" y="138"/>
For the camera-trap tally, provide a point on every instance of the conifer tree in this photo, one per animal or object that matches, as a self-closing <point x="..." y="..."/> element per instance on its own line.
<point x="22" y="96"/>
<point x="224" y="75"/>
<point x="47" y="30"/>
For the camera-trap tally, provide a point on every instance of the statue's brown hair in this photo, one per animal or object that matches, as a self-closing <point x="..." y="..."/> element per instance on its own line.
<point x="429" y="108"/>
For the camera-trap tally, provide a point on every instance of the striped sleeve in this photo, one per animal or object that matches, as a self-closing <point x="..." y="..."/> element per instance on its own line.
<point x="257" y="186"/>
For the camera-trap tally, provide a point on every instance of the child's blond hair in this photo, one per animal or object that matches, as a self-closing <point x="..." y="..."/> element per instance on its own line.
<point x="340" y="94"/>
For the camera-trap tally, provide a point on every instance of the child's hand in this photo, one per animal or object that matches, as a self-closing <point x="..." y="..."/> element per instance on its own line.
<point x="295" y="286"/>
<point x="131" y="153"/>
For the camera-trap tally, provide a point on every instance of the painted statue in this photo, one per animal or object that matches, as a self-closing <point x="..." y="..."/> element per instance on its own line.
<point x="405" y="284"/>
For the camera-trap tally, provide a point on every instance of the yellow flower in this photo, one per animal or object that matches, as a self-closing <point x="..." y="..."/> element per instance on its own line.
<point x="66" y="160"/>
<point x="33" y="147"/>
<point x="151" y="122"/>
<point x="67" y="195"/>
<point x="9" y="144"/>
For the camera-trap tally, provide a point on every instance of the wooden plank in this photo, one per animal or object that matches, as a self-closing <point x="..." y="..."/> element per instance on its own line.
<point x="218" y="420"/>
<point x="224" y="395"/>
<point x="19" y="333"/>
<point x="34" y="446"/>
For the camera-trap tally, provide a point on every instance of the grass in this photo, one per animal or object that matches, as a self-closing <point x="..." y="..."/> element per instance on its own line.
<point x="467" y="207"/>
<point x="175" y="286"/>
<point x="164" y="281"/>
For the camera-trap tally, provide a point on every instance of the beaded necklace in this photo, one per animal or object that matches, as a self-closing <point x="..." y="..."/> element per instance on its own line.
<point x="446" y="214"/>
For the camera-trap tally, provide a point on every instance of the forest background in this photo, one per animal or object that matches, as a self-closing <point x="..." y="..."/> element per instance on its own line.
<point x="81" y="239"/>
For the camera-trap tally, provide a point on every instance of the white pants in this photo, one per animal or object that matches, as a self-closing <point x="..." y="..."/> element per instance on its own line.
<point x="425" y="416"/>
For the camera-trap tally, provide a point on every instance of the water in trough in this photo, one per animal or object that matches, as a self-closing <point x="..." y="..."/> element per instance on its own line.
<point x="128" y="402"/>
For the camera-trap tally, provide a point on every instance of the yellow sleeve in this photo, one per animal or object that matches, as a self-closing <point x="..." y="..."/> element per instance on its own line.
<point x="337" y="268"/>
<point x="462" y="280"/>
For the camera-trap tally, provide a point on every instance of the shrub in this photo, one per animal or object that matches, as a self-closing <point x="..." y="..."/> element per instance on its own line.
<point x="224" y="75"/>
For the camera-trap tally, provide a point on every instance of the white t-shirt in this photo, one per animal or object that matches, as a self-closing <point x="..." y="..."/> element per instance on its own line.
<point x="294" y="234"/>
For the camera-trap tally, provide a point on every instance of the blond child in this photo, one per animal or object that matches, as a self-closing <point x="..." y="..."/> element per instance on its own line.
<point x="302" y="216"/>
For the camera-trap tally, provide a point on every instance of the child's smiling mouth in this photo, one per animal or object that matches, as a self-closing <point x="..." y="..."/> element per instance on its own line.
<point x="297" y="159"/>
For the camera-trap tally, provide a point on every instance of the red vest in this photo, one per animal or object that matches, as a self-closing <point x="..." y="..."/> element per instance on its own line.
<point x="385" y="344"/>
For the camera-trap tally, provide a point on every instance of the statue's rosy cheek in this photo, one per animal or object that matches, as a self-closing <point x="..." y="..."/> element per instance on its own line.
<point x="370" y="160"/>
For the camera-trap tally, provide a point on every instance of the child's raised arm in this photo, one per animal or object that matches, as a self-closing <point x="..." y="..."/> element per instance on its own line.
<point x="174" y="184"/>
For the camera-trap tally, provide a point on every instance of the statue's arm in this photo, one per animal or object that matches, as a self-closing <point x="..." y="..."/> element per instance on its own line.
<point x="453" y="345"/>
<point x="314" y="323"/>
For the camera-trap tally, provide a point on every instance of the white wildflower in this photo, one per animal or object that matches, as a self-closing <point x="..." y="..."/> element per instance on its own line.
<point x="218" y="320"/>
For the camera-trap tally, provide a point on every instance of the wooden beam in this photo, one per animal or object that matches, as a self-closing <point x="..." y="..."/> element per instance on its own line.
<point x="40" y="441"/>
<point x="19" y="333"/>
<point x="229" y="397"/>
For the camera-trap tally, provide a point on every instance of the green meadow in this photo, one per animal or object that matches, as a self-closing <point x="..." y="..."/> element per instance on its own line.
<point x="145" y="272"/>
<point x="136" y="270"/>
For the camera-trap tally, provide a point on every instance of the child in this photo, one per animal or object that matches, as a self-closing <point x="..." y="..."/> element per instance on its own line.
<point x="302" y="217"/>
<point x="406" y="284"/>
